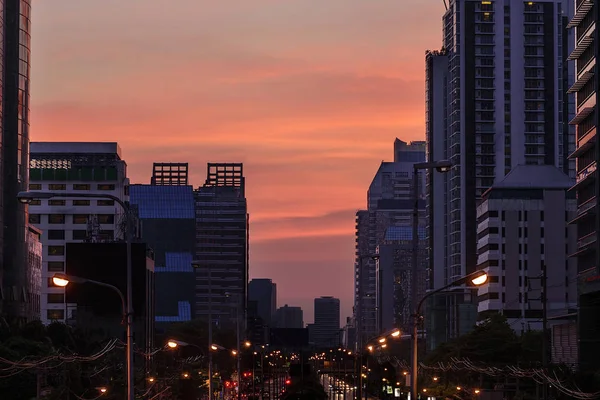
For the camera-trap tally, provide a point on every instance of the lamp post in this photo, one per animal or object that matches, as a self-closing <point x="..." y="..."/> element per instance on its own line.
<point x="27" y="197"/>
<point x="441" y="166"/>
<point x="476" y="278"/>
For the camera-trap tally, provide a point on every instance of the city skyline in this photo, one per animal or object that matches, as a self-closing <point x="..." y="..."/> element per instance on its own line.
<point x="290" y="89"/>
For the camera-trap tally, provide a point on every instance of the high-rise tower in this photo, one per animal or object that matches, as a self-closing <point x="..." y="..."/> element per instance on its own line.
<point x="19" y="299"/>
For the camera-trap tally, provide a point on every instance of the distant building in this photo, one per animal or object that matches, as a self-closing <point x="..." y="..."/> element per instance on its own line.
<point x="523" y="234"/>
<point x="74" y="167"/>
<point x="167" y="218"/>
<point x="169" y="174"/>
<point x="394" y="277"/>
<point x="264" y="293"/>
<point x="389" y="203"/>
<point x="34" y="272"/>
<point x="221" y="256"/>
<point x="327" y="322"/>
<point x="289" y="317"/>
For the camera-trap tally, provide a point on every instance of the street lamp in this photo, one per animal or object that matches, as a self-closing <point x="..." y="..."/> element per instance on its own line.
<point x="63" y="280"/>
<point x="476" y="278"/>
<point x="28" y="197"/>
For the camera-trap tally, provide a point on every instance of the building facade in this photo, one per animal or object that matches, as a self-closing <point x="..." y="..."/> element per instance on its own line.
<point x="72" y="168"/>
<point x="221" y="255"/>
<point x="264" y="293"/>
<point x="326" y="328"/>
<point x="289" y="317"/>
<point x="15" y="45"/>
<point x="524" y="237"/>
<point x="394" y="278"/>
<point x="389" y="203"/>
<point x="487" y="112"/>
<point x="167" y="219"/>
<point x="585" y="56"/>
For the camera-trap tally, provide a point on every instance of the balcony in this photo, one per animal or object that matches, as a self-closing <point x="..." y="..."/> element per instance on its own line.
<point x="586" y="241"/>
<point x="586" y="173"/>
<point x="583" y="7"/>
<point x="581" y="47"/>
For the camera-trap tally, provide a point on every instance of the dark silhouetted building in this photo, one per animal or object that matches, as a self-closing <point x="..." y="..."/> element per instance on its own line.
<point x="169" y="174"/>
<point x="222" y="244"/>
<point x="264" y="293"/>
<point x="289" y="317"/>
<point x="327" y="322"/>
<point x="98" y="309"/>
<point x="168" y="226"/>
<point x="17" y="293"/>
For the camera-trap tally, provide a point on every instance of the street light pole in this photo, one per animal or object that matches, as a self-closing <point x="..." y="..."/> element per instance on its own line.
<point x="477" y="278"/>
<point x="441" y="166"/>
<point x="27" y="197"/>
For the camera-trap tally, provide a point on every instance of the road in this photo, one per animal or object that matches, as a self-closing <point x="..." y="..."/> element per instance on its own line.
<point x="347" y="393"/>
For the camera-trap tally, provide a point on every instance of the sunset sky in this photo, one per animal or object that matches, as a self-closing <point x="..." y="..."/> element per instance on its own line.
<point x="308" y="94"/>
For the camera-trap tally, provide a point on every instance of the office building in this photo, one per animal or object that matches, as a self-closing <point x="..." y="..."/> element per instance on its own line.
<point x="523" y="236"/>
<point x="394" y="277"/>
<point x="17" y="293"/>
<point x="289" y="317"/>
<point x="264" y="293"/>
<point x="222" y="244"/>
<point x="389" y="203"/>
<point x="72" y="168"/>
<point x="169" y="174"/>
<point x="167" y="220"/>
<point x="495" y="99"/>
<point x="326" y="328"/>
<point x="585" y="26"/>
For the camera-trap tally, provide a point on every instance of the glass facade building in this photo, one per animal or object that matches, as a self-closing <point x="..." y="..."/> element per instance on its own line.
<point x="15" y="45"/>
<point x="168" y="225"/>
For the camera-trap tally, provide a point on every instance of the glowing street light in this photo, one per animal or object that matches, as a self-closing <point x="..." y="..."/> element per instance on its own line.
<point x="395" y="334"/>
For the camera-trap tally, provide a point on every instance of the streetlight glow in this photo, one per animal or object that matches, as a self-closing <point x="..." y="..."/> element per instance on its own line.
<point x="382" y="340"/>
<point x="247" y="343"/>
<point x="172" y="344"/>
<point x="62" y="282"/>
<point x="213" y="347"/>
<point x="480" y="280"/>
<point x="395" y="334"/>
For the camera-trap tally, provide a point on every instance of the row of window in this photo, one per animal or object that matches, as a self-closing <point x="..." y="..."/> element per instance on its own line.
<point x="77" y="218"/>
<point x="75" y="186"/>
<point x="77" y="234"/>
<point x="102" y="203"/>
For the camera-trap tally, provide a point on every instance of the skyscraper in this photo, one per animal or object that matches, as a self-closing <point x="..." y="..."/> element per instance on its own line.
<point x="586" y="89"/>
<point x="264" y="293"/>
<point x="327" y="322"/>
<point x="18" y="295"/>
<point x="389" y="203"/>
<point x="289" y="317"/>
<point x="495" y="100"/>
<point x="222" y="244"/>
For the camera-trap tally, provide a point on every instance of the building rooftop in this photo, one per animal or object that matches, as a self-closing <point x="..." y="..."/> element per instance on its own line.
<point x="534" y="177"/>
<point x="75" y="148"/>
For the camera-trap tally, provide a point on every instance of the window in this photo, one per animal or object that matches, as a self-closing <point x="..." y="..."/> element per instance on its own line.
<point x="81" y="202"/>
<point x="56" y="218"/>
<point x="56" y="266"/>
<point x="106" y="186"/>
<point x="106" y="202"/>
<point x="57" y="186"/>
<point x="81" y="186"/>
<point x="55" y="314"/>
<point x="34" y="218"/>
<point x="35" y="202"/>
<point x="80" y="218"/>
<point x="56" y="250"/>
<point x="35" y="186"/>
<point x="54" y="234"/>
<point x="56" y="298"/>
<point x="57" y="202"/>
<point x="106" y="218"/>
<point x="79" y="234"/>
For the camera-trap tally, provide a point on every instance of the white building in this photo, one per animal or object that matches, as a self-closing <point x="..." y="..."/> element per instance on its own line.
<point x="523" y="231"/>
<point x="71" y="168"/>
<point x="495" y="99"/>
